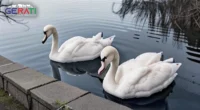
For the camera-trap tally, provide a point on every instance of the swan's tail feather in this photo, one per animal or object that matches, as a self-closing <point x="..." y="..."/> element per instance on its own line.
<point x="107" y="41"/>
<point x="110" y="39"/>
<point x="161" y="52"/>
<point x="98" y="36"/>
<point x="175" y="67"/>
<point x="150" y="60"/>
<point x="169" y="60"/>
<point x="161" y="55"/>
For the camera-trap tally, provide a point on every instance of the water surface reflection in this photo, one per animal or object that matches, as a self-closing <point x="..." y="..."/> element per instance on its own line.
<point x="166" y="19"/>
<point x="155" y="102"/>
<point x="77" y="68"/>
<point x="145" y="29"/>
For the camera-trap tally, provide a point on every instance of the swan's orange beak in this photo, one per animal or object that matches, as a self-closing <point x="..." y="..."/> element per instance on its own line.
<point x="100" y="71"/>
<point x="44" y="39"/>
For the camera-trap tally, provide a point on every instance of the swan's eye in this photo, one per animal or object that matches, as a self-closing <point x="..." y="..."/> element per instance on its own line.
<point x="103" y="59"/>
<point x="45" y="32"/>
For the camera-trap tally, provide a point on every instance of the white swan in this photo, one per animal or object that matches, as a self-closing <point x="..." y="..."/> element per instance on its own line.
<point x="136" y="80"/>
<point x="77" y="48"/>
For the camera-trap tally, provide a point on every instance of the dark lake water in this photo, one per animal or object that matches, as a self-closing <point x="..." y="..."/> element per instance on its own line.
<point x="88" y="17"/>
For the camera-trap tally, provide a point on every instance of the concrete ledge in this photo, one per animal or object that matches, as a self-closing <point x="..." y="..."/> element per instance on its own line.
<point x="57" y="91"/>
<point x="92" y="102"/>
<point x="19" y="82"/>
<point x="8" y="68"/>
<point x="40" y="92"/>
<point x="38" y="106"/>
<point x="4" y="60"/>
<point x="1" y="83"/>
<point x="18" y="94"/>
<point x="27" y="79"/>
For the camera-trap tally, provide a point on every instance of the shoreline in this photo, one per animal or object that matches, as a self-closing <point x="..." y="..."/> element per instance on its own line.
<point x="37" y="91"/>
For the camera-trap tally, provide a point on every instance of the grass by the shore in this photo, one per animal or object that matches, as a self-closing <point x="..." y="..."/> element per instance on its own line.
<point x="9" y="102"/>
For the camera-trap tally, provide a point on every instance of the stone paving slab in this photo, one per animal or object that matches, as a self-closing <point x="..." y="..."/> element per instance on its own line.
<point x="2" y="107"/>
<point x="18" y="94"/>
<point x="1" y="82"/>
<point x="4" y="60"/>
<point x="10" y="67"/>
<point x="38" y="106"/>
<point x="56" y="92"/>
<point x="92" y="102"/>
<point x="27" y="78"/>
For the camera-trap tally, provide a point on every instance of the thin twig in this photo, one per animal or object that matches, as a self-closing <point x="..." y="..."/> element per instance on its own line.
<point x="196" y="22"/>
<point x="10" y="19"/>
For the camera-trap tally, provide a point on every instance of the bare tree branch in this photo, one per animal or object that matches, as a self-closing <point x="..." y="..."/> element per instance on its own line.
<point x="9" y="18"/>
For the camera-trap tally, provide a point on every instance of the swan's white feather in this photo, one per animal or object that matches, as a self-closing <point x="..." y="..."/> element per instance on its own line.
<point x="80" y="49"/>
<point x="144" y="81"/>
<point x="69" y="41"/>
<point x="74" y="39"/>
<point x="170" y="60"/>
<point x="149" y="57"/>
<point x="140" y="61"/>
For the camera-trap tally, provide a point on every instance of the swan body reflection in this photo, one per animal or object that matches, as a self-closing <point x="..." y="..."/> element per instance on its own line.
<point x="77" y="68"/>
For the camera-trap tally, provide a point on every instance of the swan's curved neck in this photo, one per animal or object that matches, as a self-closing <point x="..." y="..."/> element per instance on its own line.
<point x="54" y="47"/>
<point x="110" y="77"/>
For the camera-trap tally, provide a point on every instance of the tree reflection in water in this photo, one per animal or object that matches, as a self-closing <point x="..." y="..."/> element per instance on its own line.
<point x="179" y="19"/>
<point x="181" y="14"/>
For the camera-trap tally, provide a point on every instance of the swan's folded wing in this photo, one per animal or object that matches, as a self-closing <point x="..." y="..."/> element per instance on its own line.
<point x="69" y="48"/>
<point x="129" y="81"/>
<point x="149" y="58"/>
<point x="128" y="63"/>
<point x="86" y="49"/>
<point x="70" y="41"/>
<point x="160" y="72"/>
<point x="134" y="76"/>
<point x="143" y="84"/>
<point x="160" y="77"/>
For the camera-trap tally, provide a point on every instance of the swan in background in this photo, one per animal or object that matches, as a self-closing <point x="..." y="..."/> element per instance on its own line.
<point x="136" y="80"/>
<point x="76" y="48"/>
